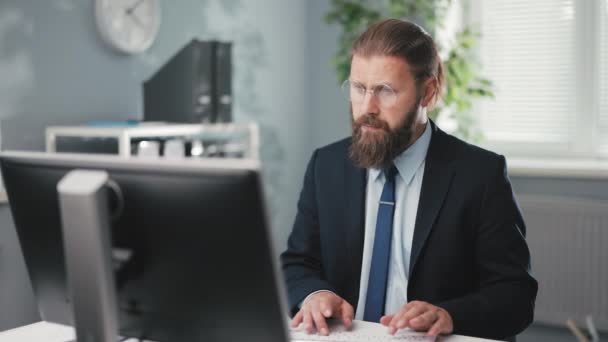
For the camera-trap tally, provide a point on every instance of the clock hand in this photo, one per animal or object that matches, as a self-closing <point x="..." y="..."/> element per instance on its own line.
<point x="131" y="13"/>
<point x="134" y="7"/>
<point x="137" y="20"/>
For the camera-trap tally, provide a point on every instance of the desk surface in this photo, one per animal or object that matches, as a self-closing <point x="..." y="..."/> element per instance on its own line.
<point x="49" y="332"/>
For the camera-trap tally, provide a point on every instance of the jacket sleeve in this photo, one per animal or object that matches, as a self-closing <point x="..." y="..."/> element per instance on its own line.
<point x="301" y="262"/>
<point x="503" y="305"/>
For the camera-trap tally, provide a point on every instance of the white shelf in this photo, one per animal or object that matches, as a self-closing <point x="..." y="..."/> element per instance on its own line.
<point x="155" y="130"/>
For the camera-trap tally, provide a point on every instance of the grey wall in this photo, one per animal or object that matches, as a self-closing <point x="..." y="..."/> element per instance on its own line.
<point x="55" y="70"/>
<point x="554" y="186"/>
<point x="329" y="110"/>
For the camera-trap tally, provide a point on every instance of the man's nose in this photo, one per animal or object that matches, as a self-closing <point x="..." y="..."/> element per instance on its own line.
<point x="370" y="103"/>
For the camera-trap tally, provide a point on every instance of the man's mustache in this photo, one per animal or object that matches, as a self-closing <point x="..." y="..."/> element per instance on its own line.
<point x="372" y="121"/>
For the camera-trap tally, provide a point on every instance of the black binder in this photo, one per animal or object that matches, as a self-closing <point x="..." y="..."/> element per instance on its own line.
<point x="194" y="86"/>
<point x="223" y="81"/>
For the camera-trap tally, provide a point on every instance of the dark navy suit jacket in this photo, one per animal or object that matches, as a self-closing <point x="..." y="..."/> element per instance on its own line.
<point x="469" y="255"/>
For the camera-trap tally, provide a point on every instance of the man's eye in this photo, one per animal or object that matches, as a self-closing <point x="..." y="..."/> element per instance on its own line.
<point x="358" y="89"/>
<point x="385" y="90"/>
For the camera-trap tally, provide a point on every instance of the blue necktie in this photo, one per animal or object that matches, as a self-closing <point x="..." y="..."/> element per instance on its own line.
<point x="378" y="272"/>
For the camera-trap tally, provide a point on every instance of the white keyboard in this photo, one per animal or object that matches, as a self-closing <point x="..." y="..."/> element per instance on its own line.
<point x="360" y="332"/>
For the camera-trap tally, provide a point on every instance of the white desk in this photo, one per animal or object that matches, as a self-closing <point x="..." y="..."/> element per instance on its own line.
<point x="49" y="332"/>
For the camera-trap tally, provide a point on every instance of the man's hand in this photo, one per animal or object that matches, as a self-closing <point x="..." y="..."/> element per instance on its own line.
<point x="420" y="316"/>
<point x="320" y="306"/>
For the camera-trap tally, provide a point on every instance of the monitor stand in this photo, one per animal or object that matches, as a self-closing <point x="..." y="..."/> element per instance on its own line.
<point x="83" y="201"/>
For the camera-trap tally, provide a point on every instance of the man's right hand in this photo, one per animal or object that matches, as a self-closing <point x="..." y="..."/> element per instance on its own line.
<point x="320" y="306"/>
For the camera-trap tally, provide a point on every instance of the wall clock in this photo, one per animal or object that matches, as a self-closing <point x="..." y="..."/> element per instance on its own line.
<point x="129" y="26"/>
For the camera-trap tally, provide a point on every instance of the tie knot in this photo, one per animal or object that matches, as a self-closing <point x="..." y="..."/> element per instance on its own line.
<point x="390" y="172"/>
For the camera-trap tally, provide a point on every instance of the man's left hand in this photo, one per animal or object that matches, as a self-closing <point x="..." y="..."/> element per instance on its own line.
<point x="420" y="316"/>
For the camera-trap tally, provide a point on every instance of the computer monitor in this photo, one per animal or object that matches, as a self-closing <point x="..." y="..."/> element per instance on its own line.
<point x="189" y="243"/>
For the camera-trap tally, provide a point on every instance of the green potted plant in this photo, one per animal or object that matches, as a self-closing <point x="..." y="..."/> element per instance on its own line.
<point x="463" y="80"/>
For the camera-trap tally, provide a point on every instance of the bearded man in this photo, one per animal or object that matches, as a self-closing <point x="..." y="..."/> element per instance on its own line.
<point x="403" y="224"/>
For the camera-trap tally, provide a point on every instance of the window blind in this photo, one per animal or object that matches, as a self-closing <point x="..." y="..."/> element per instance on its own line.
<point x="528" y="50"/>
<point x="603" y="78"/>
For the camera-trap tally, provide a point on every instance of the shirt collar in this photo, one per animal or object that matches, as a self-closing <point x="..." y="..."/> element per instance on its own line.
<point x="408" y="161"/>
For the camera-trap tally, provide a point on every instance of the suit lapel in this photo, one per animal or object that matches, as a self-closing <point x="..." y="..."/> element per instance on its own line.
<point x="438" y="173"/>
<point x="354" y="211"/>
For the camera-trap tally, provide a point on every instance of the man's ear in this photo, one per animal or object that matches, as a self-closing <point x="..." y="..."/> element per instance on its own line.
<point x="430" y="90"/>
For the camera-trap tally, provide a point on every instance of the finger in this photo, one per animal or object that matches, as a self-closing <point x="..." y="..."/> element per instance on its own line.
<point x="385" y="320"/>
<point x="393" y="319"/>
<point x="308" y="325"/>
<point x="297" y="319"/>
<point x="325" y="309"/>
<point x="392" y="322"/>
<point x="438" y="327"/>
<point x="414" y="312"/>
<point x="424" y="321"/>
<point x="399" y="315"/>
<point x="320" y="323"/>
<point x="400" y="320"/>
<point x="347" y="314"/>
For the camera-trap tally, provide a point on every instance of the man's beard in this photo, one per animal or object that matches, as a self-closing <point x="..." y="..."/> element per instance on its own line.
<point x="378" y="148"/>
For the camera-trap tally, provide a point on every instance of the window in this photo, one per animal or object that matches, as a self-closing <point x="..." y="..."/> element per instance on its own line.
<point x="603" y="78"/>
<point x="548" y="60"/>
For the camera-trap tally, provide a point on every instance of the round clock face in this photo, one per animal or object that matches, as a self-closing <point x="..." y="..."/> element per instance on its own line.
<point x="129" y="26"/>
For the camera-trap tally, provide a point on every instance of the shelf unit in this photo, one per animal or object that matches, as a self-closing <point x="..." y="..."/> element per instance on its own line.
<point x="125" y="135"/>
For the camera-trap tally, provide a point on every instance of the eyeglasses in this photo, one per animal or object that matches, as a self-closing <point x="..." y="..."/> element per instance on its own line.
<point x="356" y="92"/>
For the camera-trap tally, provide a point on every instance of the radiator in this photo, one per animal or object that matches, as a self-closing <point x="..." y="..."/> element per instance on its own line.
<point x="568" y="239"/>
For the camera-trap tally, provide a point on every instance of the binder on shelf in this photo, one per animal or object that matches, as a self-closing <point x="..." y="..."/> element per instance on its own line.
<point x="194" y="86"/>
<point x="223" y="81"/>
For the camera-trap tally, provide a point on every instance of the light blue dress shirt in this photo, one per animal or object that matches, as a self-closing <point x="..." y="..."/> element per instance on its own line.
<point x="410" y="164"/>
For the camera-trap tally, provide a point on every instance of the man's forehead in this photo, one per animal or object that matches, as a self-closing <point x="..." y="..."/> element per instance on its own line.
<point x="378" y="68"/>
